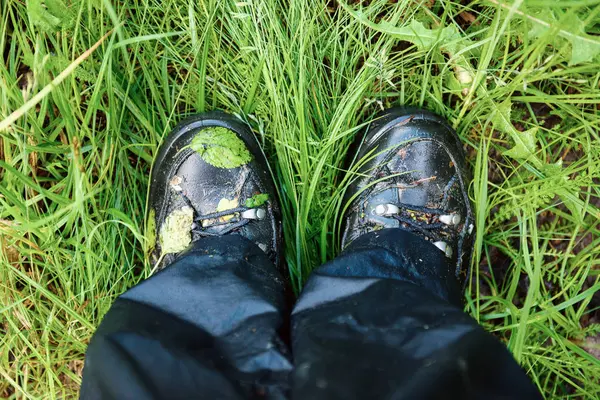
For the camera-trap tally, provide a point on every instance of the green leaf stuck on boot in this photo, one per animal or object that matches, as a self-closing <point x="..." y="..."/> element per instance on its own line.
<point x="221" y="148"/>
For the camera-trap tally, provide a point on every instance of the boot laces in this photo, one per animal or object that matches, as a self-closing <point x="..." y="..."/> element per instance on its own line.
<point x="240" y="216"/>
<point x="429" y="222"/>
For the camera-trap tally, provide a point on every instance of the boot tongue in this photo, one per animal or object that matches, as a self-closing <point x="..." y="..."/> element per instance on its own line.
<point x="207" y="185"/>
<point x="424" y="179"/>
<point x="213" y="190"/>
<point x="428" y="174"/>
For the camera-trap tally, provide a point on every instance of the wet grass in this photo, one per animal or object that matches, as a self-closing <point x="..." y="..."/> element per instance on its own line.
<point x="518" y="79"/>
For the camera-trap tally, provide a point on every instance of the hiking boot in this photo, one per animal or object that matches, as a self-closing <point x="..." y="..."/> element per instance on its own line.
<point x="413" y="177"/>
<point x="211" y="178"/>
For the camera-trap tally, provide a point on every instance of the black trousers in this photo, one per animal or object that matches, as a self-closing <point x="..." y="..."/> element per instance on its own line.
<point x="383" y="320"/>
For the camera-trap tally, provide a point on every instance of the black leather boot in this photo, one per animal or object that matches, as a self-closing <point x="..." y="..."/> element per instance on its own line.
<point x="414" y="177"/>
<point x="211" y="178"/>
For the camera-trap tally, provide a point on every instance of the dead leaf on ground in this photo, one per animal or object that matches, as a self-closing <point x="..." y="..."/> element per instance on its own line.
<point x="9" y="250"/>
<point x="76" y="367"/>
<point x="468" y="17"/>
<point x="591" y="344"/>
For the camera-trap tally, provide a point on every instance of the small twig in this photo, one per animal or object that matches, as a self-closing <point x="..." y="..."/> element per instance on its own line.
<point x="15" y="115"/>
<point x="423" y="180"/>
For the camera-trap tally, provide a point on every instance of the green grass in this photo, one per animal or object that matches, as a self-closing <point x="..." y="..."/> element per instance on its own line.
<point x="508" y="74"/>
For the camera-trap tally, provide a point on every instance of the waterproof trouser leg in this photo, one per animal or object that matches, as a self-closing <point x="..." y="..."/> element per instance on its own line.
<point x="207" y="326"/>
<point x="383" y="320"/>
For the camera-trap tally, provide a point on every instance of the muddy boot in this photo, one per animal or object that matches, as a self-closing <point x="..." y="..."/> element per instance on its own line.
<point x="415" y="178"/>
<point x="209" y="325"/>
<point x="385" y="318"/>
<point x="211" y="178"/>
